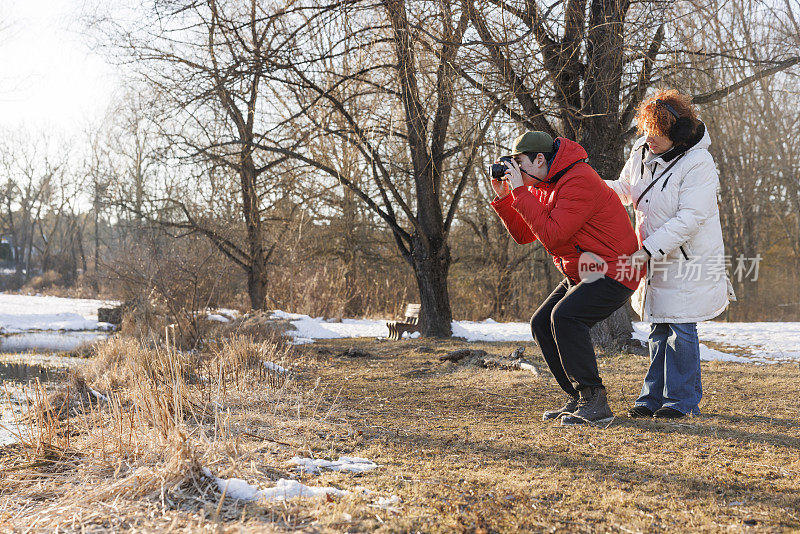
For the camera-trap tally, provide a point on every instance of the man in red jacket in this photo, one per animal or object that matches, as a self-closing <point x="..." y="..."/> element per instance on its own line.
<point x="550" y="194"/>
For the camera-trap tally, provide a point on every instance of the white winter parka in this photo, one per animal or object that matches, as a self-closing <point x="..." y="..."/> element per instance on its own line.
<point x="677" y="221"/>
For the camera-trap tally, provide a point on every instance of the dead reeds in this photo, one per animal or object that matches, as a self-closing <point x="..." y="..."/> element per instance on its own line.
<point x="140" y="420"/>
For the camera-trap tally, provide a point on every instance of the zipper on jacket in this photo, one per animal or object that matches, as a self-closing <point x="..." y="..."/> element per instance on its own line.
<point x="655" y="180"/>
<point x="685" y="256"/>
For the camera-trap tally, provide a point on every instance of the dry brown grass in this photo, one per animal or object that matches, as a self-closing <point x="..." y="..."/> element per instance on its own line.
<point x="463" y="447"/>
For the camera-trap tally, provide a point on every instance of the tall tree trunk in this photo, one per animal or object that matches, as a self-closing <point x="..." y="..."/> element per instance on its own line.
<point x="257" y="270"/>
<point x="431" y="271"/>
<point x="599" y="130"/>
<point x="502" y="296"/>
<point x="257" y="288"/>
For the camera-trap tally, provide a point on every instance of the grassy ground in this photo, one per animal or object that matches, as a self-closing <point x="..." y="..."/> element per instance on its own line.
<point x="464" y="448"/>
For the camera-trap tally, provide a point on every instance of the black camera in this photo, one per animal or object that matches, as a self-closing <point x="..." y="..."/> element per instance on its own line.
<point x="498" y="170"/>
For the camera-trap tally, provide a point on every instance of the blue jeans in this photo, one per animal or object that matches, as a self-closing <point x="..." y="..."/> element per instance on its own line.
<point x="673" y="379"/>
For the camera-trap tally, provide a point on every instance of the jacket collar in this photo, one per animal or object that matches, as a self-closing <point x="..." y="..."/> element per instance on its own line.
<point x="567" y="153"/>
<point x="677" y="150"/>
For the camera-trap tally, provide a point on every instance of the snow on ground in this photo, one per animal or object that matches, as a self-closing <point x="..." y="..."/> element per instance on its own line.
<point x="20" y="313"/>
<point x="388" y="503"/>
<point x="749" y="342"/>
<point x="221" y="315"/>
<point x="275" y="367"/>
<point x="490" y="330"/>
<point x="236" y="488"/>
<point x="309" y="328"/>
<point x="344" y="463"/>
<point x="770" y="341"/>
<point x="13" y="402"/>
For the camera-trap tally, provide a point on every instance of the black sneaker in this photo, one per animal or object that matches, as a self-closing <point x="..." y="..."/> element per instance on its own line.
<point x="569" y="407"/>
<point x="668" y="413"/>
<point x="640" y="411"/>
<point x="592" y="408"/>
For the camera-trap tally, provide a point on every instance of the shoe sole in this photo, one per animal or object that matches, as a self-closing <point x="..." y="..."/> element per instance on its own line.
<point x="584" y="422"/>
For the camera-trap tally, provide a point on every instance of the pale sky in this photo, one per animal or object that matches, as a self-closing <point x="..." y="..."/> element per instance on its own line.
<point x="49" y="77"/>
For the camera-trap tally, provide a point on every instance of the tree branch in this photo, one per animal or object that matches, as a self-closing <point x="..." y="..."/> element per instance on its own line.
<point x="719" y="94"/>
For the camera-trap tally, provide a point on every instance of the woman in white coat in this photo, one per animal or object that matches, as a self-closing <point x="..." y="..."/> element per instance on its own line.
<point x="671" y="180"/>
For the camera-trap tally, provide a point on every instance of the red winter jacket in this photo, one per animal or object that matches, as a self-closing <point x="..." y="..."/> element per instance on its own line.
<point x="575" y="214"/>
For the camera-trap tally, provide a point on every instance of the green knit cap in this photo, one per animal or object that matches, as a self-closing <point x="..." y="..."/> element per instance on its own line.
<point x="533" y="142"/>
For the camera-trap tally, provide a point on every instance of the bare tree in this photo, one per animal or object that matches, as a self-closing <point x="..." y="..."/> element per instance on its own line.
<point x="32" y="170"/>
<point x="579" y="68"/>
<point x="369" y="78"/>
<point x="206" y="61"/>
<point x="754" y="144"/>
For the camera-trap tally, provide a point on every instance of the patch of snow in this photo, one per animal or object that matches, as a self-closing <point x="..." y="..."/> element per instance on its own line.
<point x="492" y="331"/>
<point x="98" y="395"/>
<point x="24" y="312"/>
<point x="275" y="367"/>
<point x="641" y="331"/>
<point x="757" y="342"/>
<point x="776" y="342"/>
<point x="278" y="314"/>
<point x="228" y="312"/>
<point x="236" y="488"/>
<point x="9" y="434"/>
<point x="344" y="463"/>
<point x="708" y="354"/>
<point x="13" y="405"/>
<point x="217" y="318"/>
<point x="388" y="502"/>
<point x="309" y="329"/>
<point x="316" y="328"/>
<point x="48" y="341"/>
<point x="46" y="321"/>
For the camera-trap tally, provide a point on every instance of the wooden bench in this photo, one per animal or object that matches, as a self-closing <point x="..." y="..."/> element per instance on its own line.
<point x="409" y="324"/>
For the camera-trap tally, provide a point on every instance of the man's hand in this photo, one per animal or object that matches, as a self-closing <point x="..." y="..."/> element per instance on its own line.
<point x="513" y="174"/>
<point x="501" y="188"/>
<point x="638" y="259"/>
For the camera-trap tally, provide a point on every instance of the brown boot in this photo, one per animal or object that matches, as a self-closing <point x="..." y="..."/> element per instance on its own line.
<point x="592" y="408"/>
<point x="568" y="408"/>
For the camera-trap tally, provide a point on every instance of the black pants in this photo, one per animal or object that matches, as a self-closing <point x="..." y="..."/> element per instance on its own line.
<point x="561" y="328"/>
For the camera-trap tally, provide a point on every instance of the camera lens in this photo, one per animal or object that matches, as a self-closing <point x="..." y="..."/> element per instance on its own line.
<point x="498" y="171"/>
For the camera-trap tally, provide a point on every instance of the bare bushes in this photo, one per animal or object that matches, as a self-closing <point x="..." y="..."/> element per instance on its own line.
<point x="153" y="395"/>
<point x="242" y="363"/>
<point x="142" y="420"/>
<point x="329" y="288"/>
<point x="167" y="281"/>
<point x="43" y="281"/>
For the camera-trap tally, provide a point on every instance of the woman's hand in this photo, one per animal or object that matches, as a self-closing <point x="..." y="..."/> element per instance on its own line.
<point x="638" y="259"/>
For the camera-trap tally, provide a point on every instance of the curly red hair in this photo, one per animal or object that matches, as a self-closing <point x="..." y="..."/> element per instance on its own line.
<point x="655" y="119"/>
